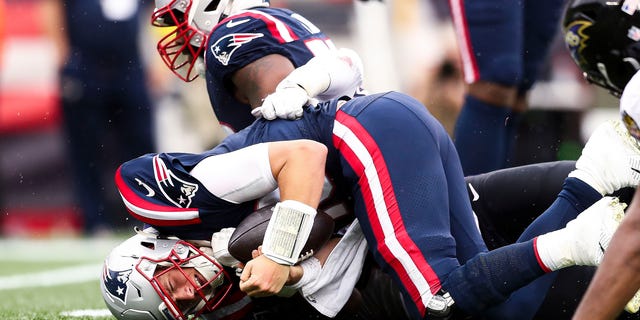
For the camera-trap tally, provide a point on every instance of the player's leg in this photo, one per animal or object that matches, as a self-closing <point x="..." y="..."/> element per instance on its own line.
<point x="506" y="201"/>
<point x="603" y="166"/>
<point x="540" y="27"/>
<point x="85" y="118"/>
<point x="575" y="197"/>
<point x="400" y="206"/>
<point x="408" y="223"/>
<point x="134" y="119"/>
<point x="492" y="69"/>
<point x="402" y="197"/>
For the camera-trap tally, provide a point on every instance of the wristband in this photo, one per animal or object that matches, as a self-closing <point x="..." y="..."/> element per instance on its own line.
<point x="288" y="231"/>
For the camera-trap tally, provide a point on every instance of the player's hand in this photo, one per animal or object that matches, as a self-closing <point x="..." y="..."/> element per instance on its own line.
<point x="256" y="253"/>
<point x="220" y="244"/>
<point x="286" y="102"/>
<point x="263" y="277"/>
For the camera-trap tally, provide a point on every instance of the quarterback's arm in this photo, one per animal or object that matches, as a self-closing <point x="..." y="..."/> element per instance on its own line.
<point x="618" y="277"/>
<point x="299" y="194"/>
<point x="296" y="167"/>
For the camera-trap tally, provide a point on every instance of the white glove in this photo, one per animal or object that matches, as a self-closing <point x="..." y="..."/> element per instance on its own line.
<point x="345" y="73"/>
<point x="220" y="244"/>
<point x="285" y="103"/>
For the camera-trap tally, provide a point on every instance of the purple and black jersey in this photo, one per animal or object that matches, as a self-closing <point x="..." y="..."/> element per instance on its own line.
<point x="246" y="37"/>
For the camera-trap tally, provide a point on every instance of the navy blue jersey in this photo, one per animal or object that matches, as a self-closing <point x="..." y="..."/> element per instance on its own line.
<point x="158" y="190"/>
<point x="246" y="37"/>
<point x="526" y="30"/>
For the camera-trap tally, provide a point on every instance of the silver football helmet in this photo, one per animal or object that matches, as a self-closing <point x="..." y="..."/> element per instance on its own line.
<point x="193" y="20"/>
<point x="130" y="283"/>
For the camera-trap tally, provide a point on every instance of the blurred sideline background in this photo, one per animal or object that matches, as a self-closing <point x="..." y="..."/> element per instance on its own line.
<point x="406" y="45"/>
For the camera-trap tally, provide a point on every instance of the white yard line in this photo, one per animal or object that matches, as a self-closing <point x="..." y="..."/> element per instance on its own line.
<point x="90" y="249"/>
<point x="87" y="313"/>
<point x="62" y="276"/>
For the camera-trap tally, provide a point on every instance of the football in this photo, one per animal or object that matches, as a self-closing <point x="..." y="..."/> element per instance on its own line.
<point x="250" y="233"/>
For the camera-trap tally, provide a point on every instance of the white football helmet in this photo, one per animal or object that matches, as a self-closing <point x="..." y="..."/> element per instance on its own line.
<point x="182" y="49"/>
<point x="130" y="285"/>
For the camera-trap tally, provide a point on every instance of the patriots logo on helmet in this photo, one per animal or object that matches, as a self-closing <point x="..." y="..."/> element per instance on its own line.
<point x="227" y="45"/>
<point x="174" y="189"/>
<point x="116" y="282"/>
<point x="576" y="39"/>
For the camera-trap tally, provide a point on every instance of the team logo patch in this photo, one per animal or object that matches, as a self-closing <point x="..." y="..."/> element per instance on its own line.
<point x="116" y="282"/>
<point x="177" y="191"/>
<point x="576" y="40"/>
<point x="224" y="48"/>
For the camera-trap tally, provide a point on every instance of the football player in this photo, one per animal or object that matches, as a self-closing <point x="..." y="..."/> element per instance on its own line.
<point x="410" y="200"/>
<point x="245" y="48"/>
<point x="603" y="39"/>
<point x="499" y="74"/>
<point x="174" y="200"/>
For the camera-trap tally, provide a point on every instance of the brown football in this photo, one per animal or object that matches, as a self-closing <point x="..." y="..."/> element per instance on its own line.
<point x="250" y="233"/>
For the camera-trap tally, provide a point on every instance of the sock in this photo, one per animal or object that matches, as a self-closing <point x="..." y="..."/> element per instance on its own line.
<point x="553" y="251"/>
<point x="480" y="136"/>
<point x="490" y="277"/>
<point x="513" y="125"/>
<point x="575" y="197"/>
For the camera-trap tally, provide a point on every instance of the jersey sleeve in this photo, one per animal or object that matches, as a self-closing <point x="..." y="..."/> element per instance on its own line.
<point x="158" y="189"/>
<point x="156" y="194"/>
<point x="239" y="176"/>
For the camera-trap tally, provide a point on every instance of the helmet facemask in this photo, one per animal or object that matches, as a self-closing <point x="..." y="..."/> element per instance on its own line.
<point x="181" y="49"/>
<point x="209" y="285"/>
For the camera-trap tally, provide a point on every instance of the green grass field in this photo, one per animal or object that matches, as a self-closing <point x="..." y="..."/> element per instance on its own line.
<point x="52" y="278"/>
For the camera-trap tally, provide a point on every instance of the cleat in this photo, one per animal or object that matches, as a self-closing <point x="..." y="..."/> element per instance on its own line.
<point x="610" y="159"/>
<point x="592" y="230"/>
<point x="440" y="305"/>
<point x="634" y="304"/>
<point x="583" y="241"/>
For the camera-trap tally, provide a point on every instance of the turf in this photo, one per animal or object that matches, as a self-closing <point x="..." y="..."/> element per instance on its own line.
<point x="34" y="299"/>
<point x="50" y="302"/>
